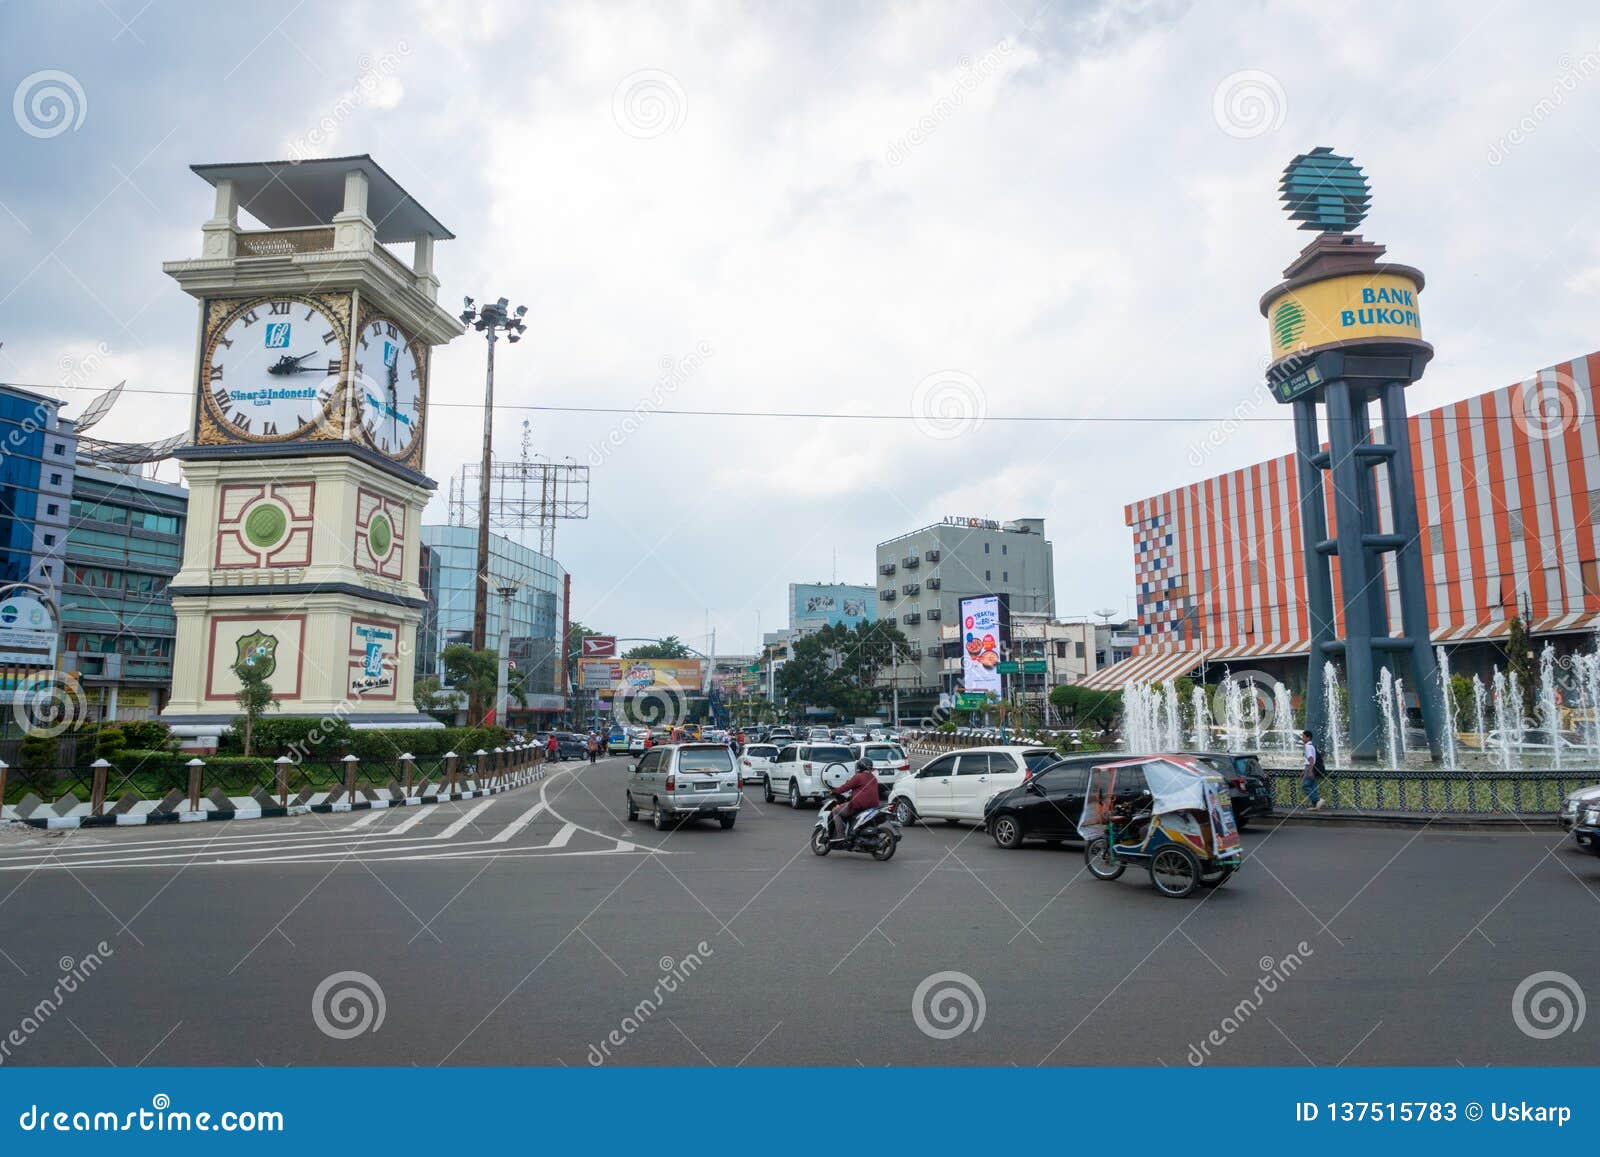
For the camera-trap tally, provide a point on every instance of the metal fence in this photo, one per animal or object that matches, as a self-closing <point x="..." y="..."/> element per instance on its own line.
<point x="1533" y="794"/>
<point x="180" y="784"/>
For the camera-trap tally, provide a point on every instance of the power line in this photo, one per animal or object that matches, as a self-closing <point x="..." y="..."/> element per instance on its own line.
<point x="937" y="420"/>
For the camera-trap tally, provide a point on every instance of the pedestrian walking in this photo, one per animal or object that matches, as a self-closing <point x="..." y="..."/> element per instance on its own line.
<point x="594" y="749"/>
<point x="552" y="748"/>
<point x="1313" y="772"/>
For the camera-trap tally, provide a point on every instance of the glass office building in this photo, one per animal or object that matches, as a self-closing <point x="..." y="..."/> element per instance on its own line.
<point x="124" y="544"/>
<point x="538" y="618"/>
<point x="37" y="451"/>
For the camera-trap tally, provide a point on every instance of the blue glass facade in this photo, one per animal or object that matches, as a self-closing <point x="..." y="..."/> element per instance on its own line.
<point x="537" y="616"/>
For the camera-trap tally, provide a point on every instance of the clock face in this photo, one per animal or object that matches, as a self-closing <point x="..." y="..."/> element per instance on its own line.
<point x="272" y="368"/>
<point x="388" y="376"/>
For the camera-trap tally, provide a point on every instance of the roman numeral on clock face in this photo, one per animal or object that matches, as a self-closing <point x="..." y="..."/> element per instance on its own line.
<point x="269" y="429"/>
<point x="279" y="308"/>
<point x="329" y="338"/>
<point x="223" y="399"/>
<point x="241" y="420"/>
<point x="250" y="318"/>
<point x="216" y="372"/>
<point x="333" y="367"/>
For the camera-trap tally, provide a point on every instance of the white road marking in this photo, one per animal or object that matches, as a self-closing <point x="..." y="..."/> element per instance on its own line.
<point x="371" y="817"/>
<point x="465" y="820"/>
<point x="511" y="829"/>
<point x="563" y="836"/>
<point x="407" y="825"/>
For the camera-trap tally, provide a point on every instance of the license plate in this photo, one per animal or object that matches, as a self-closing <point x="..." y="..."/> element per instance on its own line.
<point x="705" y="787"/>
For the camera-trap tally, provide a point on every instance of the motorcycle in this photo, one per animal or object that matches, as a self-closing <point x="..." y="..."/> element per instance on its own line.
<point x="874" y="831"/>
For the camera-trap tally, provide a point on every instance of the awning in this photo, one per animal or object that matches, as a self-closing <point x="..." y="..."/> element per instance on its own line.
<point x="1157" y="667"/>
<point x="1465" y="633"/>
<point x="1559" y="624"/>
<point x="1271" y="649"/>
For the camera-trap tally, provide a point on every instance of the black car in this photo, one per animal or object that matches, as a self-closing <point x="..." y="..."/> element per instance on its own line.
<point x="1586" y="826"/>
<point x="1248" y="786"/>
<point x="571" y="745"/>
<point x="1048" y="804"/>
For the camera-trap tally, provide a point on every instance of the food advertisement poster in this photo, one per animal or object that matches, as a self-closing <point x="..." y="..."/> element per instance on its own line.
<point x="981" y="643"/>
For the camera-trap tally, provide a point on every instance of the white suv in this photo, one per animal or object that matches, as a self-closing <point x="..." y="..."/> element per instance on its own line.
<point x="685" y="781"/>
<point x="807" y="771"/>
<point x="890" y="764"/>
<point x="955" y="787"/>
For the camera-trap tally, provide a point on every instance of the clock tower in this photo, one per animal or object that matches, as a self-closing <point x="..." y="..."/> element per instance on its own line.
<point x="306" y="489"/>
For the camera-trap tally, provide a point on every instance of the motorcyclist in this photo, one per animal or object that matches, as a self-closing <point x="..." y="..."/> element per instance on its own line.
<point x="860" y="793"/>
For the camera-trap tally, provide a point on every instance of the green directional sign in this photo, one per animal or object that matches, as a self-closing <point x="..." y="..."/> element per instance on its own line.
<point x="1009" y="667"/>
<point x="971" y="700"/>
<point x="1034" y="666"/>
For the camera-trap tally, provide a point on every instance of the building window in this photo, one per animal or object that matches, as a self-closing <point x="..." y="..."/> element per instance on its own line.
<point x="1061" y="648"/>
<point x="985" y="576"/>
<point x="46" y="570"/>
<point x="52" y="508"/>
<point x="1591" y="578"/>
<point x="49" y="540"/>
<point x="1514" y="523"/>
<point x="59" y="448"/>
<point x="55" y="480"/>
<point x="1078" y="649"/>
<point x="1002" y="548"/>
<point x="986" y="548"/>
<point x="1005" y="576"/>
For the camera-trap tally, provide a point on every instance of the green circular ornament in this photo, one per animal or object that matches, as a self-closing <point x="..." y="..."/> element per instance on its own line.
<point x="380" y="535"/>
<point x="265" y="525"/>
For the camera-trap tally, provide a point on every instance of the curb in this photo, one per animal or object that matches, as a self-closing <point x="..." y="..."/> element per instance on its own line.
<point x="1455" y="821"/>
<point x="147" y="819"/>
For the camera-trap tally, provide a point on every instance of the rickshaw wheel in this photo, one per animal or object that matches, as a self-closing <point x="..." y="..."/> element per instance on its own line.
<point x="1097" y="857"/>
<point x="1217" y="878"/>
<point x="1175" y="872"/>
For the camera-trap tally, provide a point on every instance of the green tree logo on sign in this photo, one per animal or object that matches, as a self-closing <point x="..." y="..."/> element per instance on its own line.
<point x="1288" y="323"/>
<point x="259" y="651"/>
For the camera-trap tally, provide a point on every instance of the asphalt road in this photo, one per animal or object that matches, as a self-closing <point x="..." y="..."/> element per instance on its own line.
<point x="540" y="927"/>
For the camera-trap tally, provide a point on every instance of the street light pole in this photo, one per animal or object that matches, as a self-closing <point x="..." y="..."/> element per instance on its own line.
<point x="488" y="320"/>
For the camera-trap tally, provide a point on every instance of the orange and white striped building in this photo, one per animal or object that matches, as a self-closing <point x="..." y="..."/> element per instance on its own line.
<point x="1508" y="499"/>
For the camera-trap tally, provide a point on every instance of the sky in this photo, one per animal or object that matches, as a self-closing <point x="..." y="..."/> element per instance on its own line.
<point x="915" y="222"/>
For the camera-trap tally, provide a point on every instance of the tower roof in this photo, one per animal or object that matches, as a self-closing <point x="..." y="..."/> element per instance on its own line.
<point x="304" y="194"/>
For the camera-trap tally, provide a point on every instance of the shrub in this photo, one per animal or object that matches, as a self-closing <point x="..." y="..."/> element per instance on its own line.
<point x="316" y="739"/>
<point x="147" y="734"/>
<point x="38" y="751"/>
<point x="110" y="744"/>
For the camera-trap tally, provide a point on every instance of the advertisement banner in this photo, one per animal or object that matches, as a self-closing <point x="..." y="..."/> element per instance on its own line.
<point x="981" y="643"/>
<point x="640" y="674"/>
<point x="814" y="605"/>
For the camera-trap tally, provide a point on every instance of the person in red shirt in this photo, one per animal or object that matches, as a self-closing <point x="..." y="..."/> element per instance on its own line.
<point x="862" y="791"/>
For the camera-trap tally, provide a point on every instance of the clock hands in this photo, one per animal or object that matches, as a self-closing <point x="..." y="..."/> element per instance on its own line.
<point x="289" y="365"/>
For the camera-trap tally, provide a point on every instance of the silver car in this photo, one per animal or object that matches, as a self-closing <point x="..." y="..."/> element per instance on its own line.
<point x="685" y="781"/>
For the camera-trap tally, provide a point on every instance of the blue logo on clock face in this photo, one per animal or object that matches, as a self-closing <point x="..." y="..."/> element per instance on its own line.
<point x="277" y="335"/>
<point x="390" y="353"/>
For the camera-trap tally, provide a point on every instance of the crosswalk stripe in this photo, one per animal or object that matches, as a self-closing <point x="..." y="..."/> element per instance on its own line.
<point x="516" y="825"/>
<point x="467" y="818"/>
<point x="562" y="837"/>
<point x="406" y="825"/>
<point x="371" y="817"/>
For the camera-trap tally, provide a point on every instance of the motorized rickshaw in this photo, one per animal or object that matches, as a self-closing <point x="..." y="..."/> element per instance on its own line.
<point x="1167" y="814"/>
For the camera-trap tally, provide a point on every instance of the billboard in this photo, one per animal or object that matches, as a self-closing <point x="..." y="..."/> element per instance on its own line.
<point x="633" y="675"/>
<point x="813" y="605"/>
<point x="982" y="640"/>
<point x="599" y="646"/>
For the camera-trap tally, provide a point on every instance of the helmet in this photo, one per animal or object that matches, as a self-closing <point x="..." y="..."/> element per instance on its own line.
<point x="863" y="764"/>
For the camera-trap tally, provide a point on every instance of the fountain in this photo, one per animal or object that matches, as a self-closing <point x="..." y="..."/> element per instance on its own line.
<point x="1232" y="711"/>
<point x="1393" y="739"/>
<point x="1549" y="710"/>
<point x="1507" y="717"/>
<point x="1334" y="712"/>
<point x="1200" y="718"/>
<point x="1447" y="695"/>
<point x="1479" y="697"/>
<point x="1172" y="721"/>
<point x="1283" y="718"/>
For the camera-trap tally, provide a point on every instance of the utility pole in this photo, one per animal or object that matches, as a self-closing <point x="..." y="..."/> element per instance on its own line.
<point x="488" y="320"/>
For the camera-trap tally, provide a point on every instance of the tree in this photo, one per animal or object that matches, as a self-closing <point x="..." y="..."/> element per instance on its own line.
<point x="476" y="674"/>
<point x="1086" y="708"/>
<point x="670" y="647"/>
<point x="1519" y="662"/>
<point x="254" y="696"/>
<point x="431" y="696"/>
<point x="837" y="667"/>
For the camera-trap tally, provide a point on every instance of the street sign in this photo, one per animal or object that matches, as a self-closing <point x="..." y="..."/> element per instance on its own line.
<point x="1008" y="667"/>
<point x="1033" y="666"/>
<point x="599" y="646"/>
<point x="971" y="700"/>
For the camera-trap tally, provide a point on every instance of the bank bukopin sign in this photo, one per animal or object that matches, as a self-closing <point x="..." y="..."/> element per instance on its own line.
<point x="1334" y="311"/>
